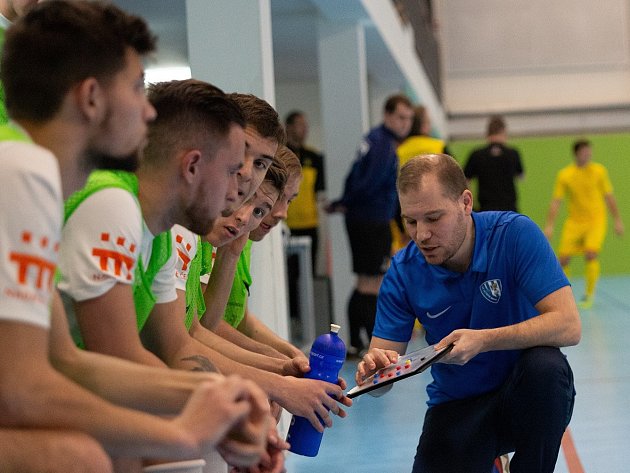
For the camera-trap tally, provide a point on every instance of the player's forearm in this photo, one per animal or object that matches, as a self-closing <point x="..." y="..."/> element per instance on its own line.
<point x="611" y="202"/>
<point x="553" y="213"/>
<point x="258" y="331"/>
<point x="150" y="389"/>
<point x="122" y="432"/>
<point x="383" y="344"/>
<point x="271" y="383"/>
<point x="229" y="333"/>
<point x="546" y="329"/>
<point x="144" y="357"/>
<point x="237" y="353"/>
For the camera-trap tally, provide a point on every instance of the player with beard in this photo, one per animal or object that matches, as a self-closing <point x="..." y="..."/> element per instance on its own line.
<point x="489" y="284"/>
<point x="188" y="180"/>
<point x="304" y="397"/>
<point x="89" y="100"/>
<point x="115" y="267"/>
<point x="196" y="257"/>
<point x="313" y="399"/>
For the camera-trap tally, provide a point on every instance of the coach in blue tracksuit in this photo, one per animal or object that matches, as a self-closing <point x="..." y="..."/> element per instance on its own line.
<point x="490" y="284"/>
<point x="369" y="205"/>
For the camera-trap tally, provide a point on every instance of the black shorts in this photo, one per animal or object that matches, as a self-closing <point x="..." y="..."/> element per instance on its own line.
<point x="371" y="246"/>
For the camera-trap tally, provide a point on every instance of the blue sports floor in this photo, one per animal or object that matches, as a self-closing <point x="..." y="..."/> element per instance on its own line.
<point x="380" y="434"/>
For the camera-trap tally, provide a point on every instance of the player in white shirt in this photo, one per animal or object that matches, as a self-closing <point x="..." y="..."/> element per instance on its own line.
<point x="187" y="180"/>
<point x="87" y="103"/>
<point x="227" y="238"/>
<point x="123" y="300"/>
<point x="304" y="397"/>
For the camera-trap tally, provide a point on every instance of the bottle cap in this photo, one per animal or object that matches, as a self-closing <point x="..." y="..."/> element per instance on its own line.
<point x="334" y="328"/>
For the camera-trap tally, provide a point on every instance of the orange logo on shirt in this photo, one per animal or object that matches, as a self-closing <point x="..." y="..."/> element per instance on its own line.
<point x="44" y="269"/>
<point x="185" y="259"/>
<point x="121" y="260"/>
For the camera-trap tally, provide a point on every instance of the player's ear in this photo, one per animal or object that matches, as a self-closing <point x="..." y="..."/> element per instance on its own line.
<point x="189" y="164"/>
<point x="90" y="99"/>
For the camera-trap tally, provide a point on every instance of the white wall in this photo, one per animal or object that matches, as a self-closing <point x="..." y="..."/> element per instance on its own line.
<point x="302" y="96"/>
<point x="536" y="58"/>
<point x="400" y="42"/>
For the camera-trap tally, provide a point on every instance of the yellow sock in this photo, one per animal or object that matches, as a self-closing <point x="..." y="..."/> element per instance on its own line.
<point x="592" y="276"/>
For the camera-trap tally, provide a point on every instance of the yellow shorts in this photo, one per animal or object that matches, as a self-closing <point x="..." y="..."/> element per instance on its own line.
<point x="579" y="237"/>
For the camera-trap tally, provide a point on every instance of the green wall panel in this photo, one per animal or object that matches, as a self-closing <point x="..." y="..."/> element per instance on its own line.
<point x="542" y="158"/>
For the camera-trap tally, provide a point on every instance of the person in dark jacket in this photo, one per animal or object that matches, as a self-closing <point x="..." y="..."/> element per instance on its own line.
<point x="369" y="204"/>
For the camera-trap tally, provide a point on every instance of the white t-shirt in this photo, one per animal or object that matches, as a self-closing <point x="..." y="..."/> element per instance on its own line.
<point x="101" y="243"/>
<point x="164" y="284"/>
<point x="185" y="243"/>
<point x="185" y="246"/>
<point x="31" y="213"/>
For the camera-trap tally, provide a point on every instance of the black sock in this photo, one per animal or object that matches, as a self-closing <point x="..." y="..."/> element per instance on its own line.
<point x="369" y="313"/>
<point x="361" y="314"/>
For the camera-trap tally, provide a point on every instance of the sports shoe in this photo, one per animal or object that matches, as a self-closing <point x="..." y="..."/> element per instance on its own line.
<point x="501" y="464"/>
<point x="586" y="302"/>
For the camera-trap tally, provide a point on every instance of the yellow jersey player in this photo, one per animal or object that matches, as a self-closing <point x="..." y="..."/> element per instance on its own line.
<point x="588" y="190"/>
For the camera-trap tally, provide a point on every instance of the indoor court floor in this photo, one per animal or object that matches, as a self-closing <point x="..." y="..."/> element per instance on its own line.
<point x="380" y="434"/>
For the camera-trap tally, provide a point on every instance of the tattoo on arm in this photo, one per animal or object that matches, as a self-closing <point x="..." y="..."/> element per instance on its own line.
<point x="203" y="363"/>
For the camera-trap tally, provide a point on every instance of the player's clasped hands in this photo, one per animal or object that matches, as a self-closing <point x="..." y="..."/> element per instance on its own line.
<point x="240" y="410"/>
<point x="272" y="461"/>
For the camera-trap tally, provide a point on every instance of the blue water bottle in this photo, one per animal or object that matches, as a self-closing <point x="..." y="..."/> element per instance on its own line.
<point x="326" y="359"/>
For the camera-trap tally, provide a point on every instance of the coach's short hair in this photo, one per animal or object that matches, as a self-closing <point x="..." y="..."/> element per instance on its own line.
<point x="443" y="166"/>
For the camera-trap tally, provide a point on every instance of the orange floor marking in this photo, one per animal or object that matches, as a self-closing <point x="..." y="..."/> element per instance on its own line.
<point x="570" y="453"/>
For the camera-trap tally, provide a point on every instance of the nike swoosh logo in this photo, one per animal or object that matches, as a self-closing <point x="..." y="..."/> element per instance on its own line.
<point x="435" y="316"/>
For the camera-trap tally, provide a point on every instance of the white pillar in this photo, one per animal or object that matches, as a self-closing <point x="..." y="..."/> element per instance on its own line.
<point x="230" y="46"/>
<point x="343" y="86"/>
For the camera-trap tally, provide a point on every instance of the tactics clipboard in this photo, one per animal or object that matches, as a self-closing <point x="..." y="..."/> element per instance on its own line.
<point x="412" y="363"/>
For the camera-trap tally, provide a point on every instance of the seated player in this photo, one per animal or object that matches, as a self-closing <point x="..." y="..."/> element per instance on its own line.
<point x="256" y="333"/>
<point x="298" y="396"/>
<point x="224" y="244"/>
<point x="63" y="113"/>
